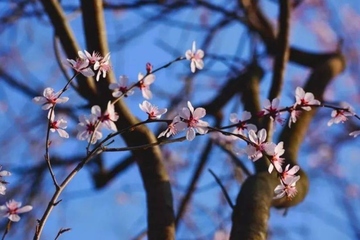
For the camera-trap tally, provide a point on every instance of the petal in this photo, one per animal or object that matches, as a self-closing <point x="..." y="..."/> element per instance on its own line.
<point x="192" y="66"/>
<point x="199" y="64"/>
<point x="262" y="135"/>
<point x="96" y="110"/>
<point x="199" y="113"/>
<point x="14" y="217"/>
<point x="199" y="53"/>
<point x="185" y="113"/>
<point x="190" y="134"/>
<point x="190" y="106"/>
<point x="63" y="133"/>
<point x="253" y="137"/>
<point x="24" y="209"/>
<point x="245" y="116"/>
<point x="234" y="118"/>
<point x="188" y="54"/>
<point x="271" y="168"/>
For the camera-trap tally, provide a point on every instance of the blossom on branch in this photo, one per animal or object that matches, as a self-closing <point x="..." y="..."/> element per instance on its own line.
<point x="195" y="56"/>
<point x="88" y="129"/>
<point x="81" y="66"/>
<point x="191" y="120"/>
<point x="144" y="84"/>
<point x="286" y="188"/>
<point x="49" y="98"/>
<point x="172" y="128"/>
<point x="58" y="125"/>
<point x="121" y="88"/>
<point x="305" y="99"/>
<point x="275" y="159"/>
<point x="12" y="208"/>
<point x="92" y="58"/>
<point x="102" y="66"/>
<point x="340" y="115"/>
<point x="288" y="172"/>
<point x="272" y="109"/>
<point x="242" y="125"/>
<point x="108" y="117"/>
<point x="3" y="183"/>
<point x="258" y="145"/>
<point x="152" y="111"/>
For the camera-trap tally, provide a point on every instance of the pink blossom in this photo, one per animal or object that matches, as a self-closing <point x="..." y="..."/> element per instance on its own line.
<point x="88" y="129"/>
<point x="108" y="117"/>
<point x="257" y="144"/>
<point x="288" y="172"/>
<point x="3" y="183"/>
<point x="92" y="58"/>
<point x="340" y="115"/>
<point x="12" y="208"/>
<point x="275" y="159"/>
<point x="195" y="56"/>
<point x="103" y="66"/>
<point x="58" y="125"/>
<point x="144" y="84"/>
<point x="121" y="88"/>
<point x="294" y="114"/>
<point x="191" y="121"/>
<point x="305" y="99"/>
<point x="153" y="111"/>
<point x="241" y="123"/>
<point x="81" y="66"/>
<point x="272" y="109"/>
<point x="49" y="98"/>
<point x="286" y="188"/>
<point x="172" y="128"/>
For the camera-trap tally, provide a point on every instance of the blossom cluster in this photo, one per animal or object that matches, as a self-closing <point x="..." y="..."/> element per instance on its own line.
<point x="188" y="119"/>
<point x="87" y="63"/>
<point x="11" y="209"/>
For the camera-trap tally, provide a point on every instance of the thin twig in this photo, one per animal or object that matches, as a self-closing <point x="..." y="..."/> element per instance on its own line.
<point x="227" y="197"/>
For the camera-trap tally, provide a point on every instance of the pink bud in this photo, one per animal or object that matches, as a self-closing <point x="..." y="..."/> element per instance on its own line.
<point x="149" y="68"/>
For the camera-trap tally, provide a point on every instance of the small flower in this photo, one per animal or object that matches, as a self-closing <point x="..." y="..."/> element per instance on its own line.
<point x="272" y="109"/>
<point x="171" y="129"/>
<point x="294" y="114"/>
<point x="81" y="66"/>
<point x="121" y="88"/>
<point x="49" y="98"/>
<point x="108" y="117"/>
<point x="355" y="133"/>
<point x="92" y="58"/>
<point x="340" y="115"/>
<point x="257" y="144"/>
<point x="103" y="66"/>
<point x="304" y="99"/>
<point x="152" y="110"/>
<point x="242" y="125"/>
<point x="287" y="188"/>
<point x="191" y="120"/>
<point x="288" y="172"/>
<point x="275" y="159"/>
<point x="3" y="183"/>
<point x="88" y="129"/>
<point x="144" y="84"/>
<point x="58" y="125"/>
<point x="195" y="56"/>
<point x="12" y="208"/>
